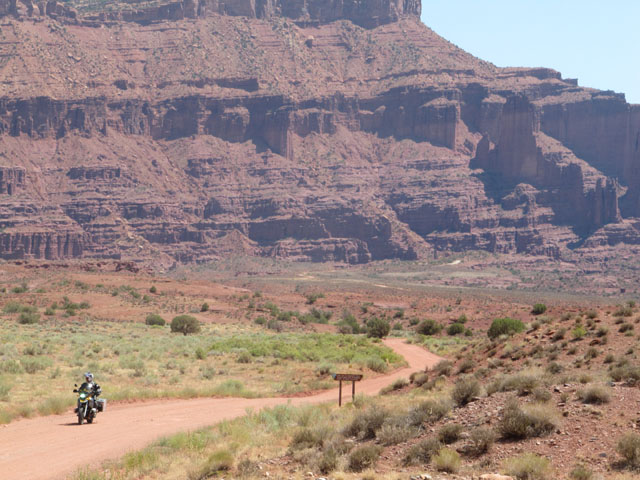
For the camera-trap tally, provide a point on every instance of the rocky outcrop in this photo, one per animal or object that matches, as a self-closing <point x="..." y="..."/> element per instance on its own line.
<point x="305" y="138"/>
<point x="11" y="179"/>
<point x="367" y="13"/>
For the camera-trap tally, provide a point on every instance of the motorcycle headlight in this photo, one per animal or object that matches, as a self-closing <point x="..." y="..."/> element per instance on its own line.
<point x="83" y="396"/>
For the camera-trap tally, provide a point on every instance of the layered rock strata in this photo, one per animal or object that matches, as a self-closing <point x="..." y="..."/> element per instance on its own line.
<point x="323" y="131"/>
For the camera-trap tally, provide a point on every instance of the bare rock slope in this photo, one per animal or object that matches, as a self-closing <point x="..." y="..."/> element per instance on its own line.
<point x="337" y="130"/>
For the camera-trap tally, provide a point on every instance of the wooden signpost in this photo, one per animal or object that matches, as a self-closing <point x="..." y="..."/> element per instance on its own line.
<point x="346" y="377"/>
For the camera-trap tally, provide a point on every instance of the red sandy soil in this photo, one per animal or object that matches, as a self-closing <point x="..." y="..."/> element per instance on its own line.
<point x="51" y="447"/>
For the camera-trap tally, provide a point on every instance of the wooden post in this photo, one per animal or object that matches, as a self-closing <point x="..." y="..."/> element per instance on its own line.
<point x="353" y="391"/>
<point x="340" y="394"/>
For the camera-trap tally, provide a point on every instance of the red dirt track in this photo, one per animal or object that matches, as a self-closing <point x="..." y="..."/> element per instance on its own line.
<point x="53" y="447"/>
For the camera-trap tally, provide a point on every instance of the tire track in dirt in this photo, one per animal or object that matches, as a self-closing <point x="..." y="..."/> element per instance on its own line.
<point x="53" y="447"/>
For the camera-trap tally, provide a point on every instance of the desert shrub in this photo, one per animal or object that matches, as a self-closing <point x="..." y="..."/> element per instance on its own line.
<point x="309" y="438"/>
<point x="443" y="367"/>
<point x="204" y="307"/>
<point x="623" y="311"/>
<point x="629" y="448"/>
<point x="377" y="365"/>
<point x="313" y="297"/>
<point x="594" y="395"/>
<point x="450" y="433"/>
<point x="328" y="461"/>
<point x="397" y="327"/>
<point x="5" y="388"/>
<point x="260" y="320"/>
<point x="185" y="324"/>
<point x="465" y="390"/>
<point x="398" y="384"/>
<point x="533" y="421"/>
<point x="422" y="452"/>
<point x="218" y="461"/>
<point x="541" y="395"/>
<point x="578" y="332"/>
<point x="429" y="411"/>
<point x="455" y="329"/>
<point x="581" y="472"/>
<point x="395" y="432"/>
<point x="591" y="353"/>
<point x="504" y="326"/>
<point x="153" y="289"/>
<point x="602" y="331"/>
<point x="429" y="327"/>
<point x="447" y="460"/>
<point x="539" y="309"/>
<point x="559" y="334"/>
<point x="419" y="378"/>
<point x="625" y="327"/>
<point x="244" y="357"/>
<point x="398" y="313"/>
<point x="154" y="319"/>
<point x="201" y="353"/>
<point x="481" y="440"/>
<point x="466" y="365"/>
<point x="378" y="327"/>
<point x="591" y="314"/>
<point x="628" y="373"/>
<point x="528" y="466"/>
<point x="26" y="318"/>
<point x="348" y="324"/>
<point x="554" y="368"/>
<point x="274" y="325"/>
<point x="364" y="457"/>
<point x="522" y="383"/>
<point x="366" y="424"/>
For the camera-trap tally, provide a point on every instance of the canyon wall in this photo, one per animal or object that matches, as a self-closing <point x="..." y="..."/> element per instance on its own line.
<point x="189" y="132"/>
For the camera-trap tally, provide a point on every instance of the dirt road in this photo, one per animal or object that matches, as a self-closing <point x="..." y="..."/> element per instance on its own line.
<point x="48" y="448"/>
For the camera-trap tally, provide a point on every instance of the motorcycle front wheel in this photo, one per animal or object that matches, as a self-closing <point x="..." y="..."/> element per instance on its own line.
<point x="80" y="418"/>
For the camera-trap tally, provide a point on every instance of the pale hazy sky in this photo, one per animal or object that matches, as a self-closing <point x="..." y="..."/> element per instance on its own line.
<point x="595" y="41"/>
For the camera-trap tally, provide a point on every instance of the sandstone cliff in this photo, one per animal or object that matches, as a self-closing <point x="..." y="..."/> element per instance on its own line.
<point x="324" y="131"/>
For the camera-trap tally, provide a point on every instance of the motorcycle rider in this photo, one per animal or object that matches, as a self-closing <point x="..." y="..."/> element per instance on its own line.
<point x="90" y="387"/>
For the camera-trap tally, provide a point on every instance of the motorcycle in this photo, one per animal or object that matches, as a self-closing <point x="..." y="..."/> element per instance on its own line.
<point x="88" y="405"/>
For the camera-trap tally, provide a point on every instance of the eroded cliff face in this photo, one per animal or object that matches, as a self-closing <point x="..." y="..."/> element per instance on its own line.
<point x="197" y="130"/>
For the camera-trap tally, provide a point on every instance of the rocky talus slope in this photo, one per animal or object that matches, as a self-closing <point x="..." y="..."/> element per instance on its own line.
<point x="337" y="130"/>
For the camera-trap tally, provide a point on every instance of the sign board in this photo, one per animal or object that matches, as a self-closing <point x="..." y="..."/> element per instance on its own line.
<point x="346" y="377"/>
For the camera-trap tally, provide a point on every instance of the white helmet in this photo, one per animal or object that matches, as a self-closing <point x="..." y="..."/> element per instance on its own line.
<point x="88" y="377"/>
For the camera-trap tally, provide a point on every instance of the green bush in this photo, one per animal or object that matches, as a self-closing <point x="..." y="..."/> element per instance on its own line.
<point x="154" y="319"/>
<point x="629" y="448"/>
<point x="429" y="411"/>
<point x="313" y="297"/>
<point x="529" y="466"/>
<point x="447" y="460"/>
<point x="533" y="421"/>
<point x="204" y="307"/>
<point x="28" y="318"/>
<point x="578" y="332"/>
<point x="185" y="324"/>
<point x="595" y="395"/>
<point x="539" y="309"/>
<point x="365" y="425"/>
<point x="393" y="433"/>
<point x="455" y="329"/>
<point x="450" y="433"/>
<point x="218" y="461"/>
<point x="364" y="457"/>
<point x="153" y="289"/>
<point x="581" y="472"/>
<point x="429" y="327"/>
<point x="481" y="440"/>
<point x="422" y="452"/>
<point x="505" y="326"/>
<point x="465" y="390"/>
<point x="348" y="324"/>
<point x="378" y="327"/>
